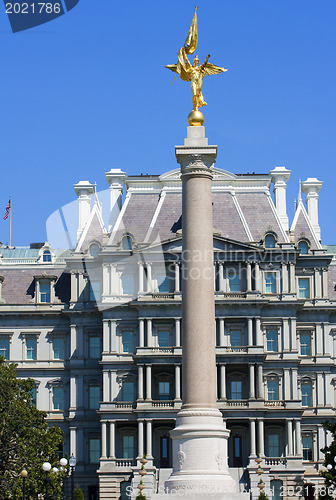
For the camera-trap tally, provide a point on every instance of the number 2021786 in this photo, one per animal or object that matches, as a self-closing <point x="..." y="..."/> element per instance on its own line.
<point x="33" y="8"/>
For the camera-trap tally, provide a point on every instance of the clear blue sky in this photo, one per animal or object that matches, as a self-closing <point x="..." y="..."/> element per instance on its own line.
<point x="88" y="92"/>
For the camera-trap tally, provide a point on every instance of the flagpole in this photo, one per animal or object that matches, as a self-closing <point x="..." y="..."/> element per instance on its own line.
<point x="10" y="221"/>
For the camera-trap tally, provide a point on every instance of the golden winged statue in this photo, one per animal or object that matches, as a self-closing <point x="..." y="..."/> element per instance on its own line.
<point x="196" y="72"/>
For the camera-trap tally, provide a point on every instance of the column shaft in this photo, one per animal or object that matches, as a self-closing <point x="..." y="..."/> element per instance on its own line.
<point x="177" y="332"/>
<point x="112" y="439"/>
<point x="222" y="382"/>
<point x="148" y="382"/>
<point x="253" y="450"/>
<point x="261" y="437"/>
<point x="140" y="382"/>
<point x="103" y="439"/>
<point x="140" y="438"/>
<point x="149" y="438"/>
<point x="252" y="382"/>
<point x="177" y="382"/>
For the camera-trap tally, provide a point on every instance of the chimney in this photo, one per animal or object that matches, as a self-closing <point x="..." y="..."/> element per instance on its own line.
<point x="84" y="190"/>
<point x="116" y="179"/>
<point x="280" y="176"/>
<point x="312" y="187"/>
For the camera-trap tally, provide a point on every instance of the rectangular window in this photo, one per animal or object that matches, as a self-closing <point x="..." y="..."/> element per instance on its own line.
<point x="272" y="340"/>
<point x="306" y="392"/>
<point x="163" y="284"/>
<point x="163" y="338"/>
<point x="305" y="344"/>
<point x="94" y="450"/>
<point x="272" y="390"/>
<point x="33" y="395"/>
<point x="58" y="398"/>
<point x="128" y="446"/>
<point x="94" y="347"/>
<point x="164" y="391"/>
<point x="273" y="445"/>
<point x="234" y="281"/>
<point x="58" y="348"/>
<point x="128" y="391"/>
<point x="4" y="347"/>
<point x="236" y="389"/>
<point x="31" y="346"/>
<point x="235" y="338"/>
<point x="94" y="397"/>
<point x="307" y="447"/>
<point x="303" y="288"/>
<point x="94" y="291"/>
<point x="45" y="292"/>
<point x="127" y="284"/>
<point x="127" y="342"/>
<point x="270" y="282"/>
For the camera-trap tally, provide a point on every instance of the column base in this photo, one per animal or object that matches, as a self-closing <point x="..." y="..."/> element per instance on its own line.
<point x="200" y="457"/>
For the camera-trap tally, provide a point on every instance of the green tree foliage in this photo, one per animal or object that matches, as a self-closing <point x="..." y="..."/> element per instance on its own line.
<point x="26" y="440"/>
<point x="329" y="455"/>
<point x="78" y="494"/>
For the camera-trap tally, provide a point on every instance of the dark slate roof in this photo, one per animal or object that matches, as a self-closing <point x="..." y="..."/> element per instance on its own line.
<point x="169" y="219"/>
<point x="230" y="226"/>
<point x="94" y="232"/>
<point x="259" y="215"/>
<point x="137" y="217"/>
<point x="19" y="287"/>
<point x="302" y="230"/>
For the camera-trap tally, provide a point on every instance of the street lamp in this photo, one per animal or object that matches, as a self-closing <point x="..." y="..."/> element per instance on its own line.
<point x="24" y="474"/>
<point x="46" y="467"/>
<point x="72" y="463"/>
<point x="63" y="463"/>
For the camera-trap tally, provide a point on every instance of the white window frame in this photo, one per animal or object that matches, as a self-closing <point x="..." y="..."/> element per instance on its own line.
<point x="277" y="281"/>
<point x="310" y="282"/>
<point x="163" y="328"/>
<point x="29" y="335"/>
<point x="7" y="336"/>
<point x="273" y="328"/>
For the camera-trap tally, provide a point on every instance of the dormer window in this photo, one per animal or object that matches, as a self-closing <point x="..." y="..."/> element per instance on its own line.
<point x="270" y="241"/>
<point x="126" y="243"/>
<point x="94" y="250"/>
<point x="303" y="247"/>
<point x="45" y="289"/>
<point x="46" y="256"/>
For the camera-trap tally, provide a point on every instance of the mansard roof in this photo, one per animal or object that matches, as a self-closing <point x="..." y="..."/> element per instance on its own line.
<point x="302" y="227"/>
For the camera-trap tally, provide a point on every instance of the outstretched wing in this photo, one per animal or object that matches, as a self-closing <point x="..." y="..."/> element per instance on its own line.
<point x="212" y="69"/>
<point x="177" y="68"/>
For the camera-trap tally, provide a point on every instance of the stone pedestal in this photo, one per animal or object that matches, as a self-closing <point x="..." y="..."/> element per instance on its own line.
<point x="200" y="457"/>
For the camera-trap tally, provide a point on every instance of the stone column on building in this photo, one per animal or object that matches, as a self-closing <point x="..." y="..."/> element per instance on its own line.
<point x="284" y="277"/>
<point x="221" y="277"/>
<point x="253" y="450"/>
<point x="104" y="439"/>
<point x="285" y="334"/>
<point x="149" y="278"/>
<point x="106" y="386"/>
<point x="106" y="336"/>
<point x="140" y="382"/>
<point x="177" y="277"/>
<point x="317" y="283"/>
<point x="149" y="431"/>
<point x="141" y="277"/>
<point x="260" y="383"/>
<point x="252" y="382"/>
<point x="259" y="337"/>
<point x="325" y="283"/>
<point x="112" y="439"/>
<point x="289" y="437"/>
<point x="200" y="457"/>
<point x="312" y="187"/>
<point x="280" y="176"/>
<point x="177" y="382"/>
<point x="140" y="439"/>
<point x="298" y="446"/>
<point x="149" y="333"/>
<point x="257" y="278"/>
<point x="261" y="437"/>
<point x="250" y="331"/>
<point x="177" y="332"/>
<point x="84" y="190"/>
<point x="222" y="381"/>
<point x="148" y="382"/>
<point x="73" y="441"/>
<point x="141" y="332"/>
<point x="248" y="277"/>
<point x="221" y="332"/>
<point x="292" y="283"/>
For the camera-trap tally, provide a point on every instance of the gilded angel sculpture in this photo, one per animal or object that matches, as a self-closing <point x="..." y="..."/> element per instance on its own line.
<point x="196" y="72"/>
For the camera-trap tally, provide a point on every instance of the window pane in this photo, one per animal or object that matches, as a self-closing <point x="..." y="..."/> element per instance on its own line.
<point x="128" y="446"/>
<point x="306" y="392"/>
<point x="270" y="281"/>
<point x="164" y="391"/>
<point x="236" y="389"/>
<point x="269" y="241"/>
<point x="46" y="256"/>
<point x="307" y="446"/>
<point x="127" y="284"/>
<point x="94" y="450"/>
<point x="273" y="445"/>
<point x="128" y="391"/>
<point x="163" y="338"/>
<point x="58" y="348"/>
<point x="128" y="342"/>
<point x="234" y="281"/>
<point x="235" y="338"/>
<point x="163" y="283"/>
<point x="58" y="398"/>
<point x="237" y="446"/>
<point x="33" y="395"/>
<point x="276" y="490"/>
<point x="94" y="397"/>
<point x="31" y="347"/>
<point x="4" y="347"/>
<point x="44" y="292"/>
<point x="94" y="291"/>
<point x="272" y="390"/>
<point x="305" y="343"/>
<point x="126" y="243"/>
<point x="303" y="288"/>
<point x="272" y="340"/>
<point x="94" y="347"/>
<point x="303" y="247"/>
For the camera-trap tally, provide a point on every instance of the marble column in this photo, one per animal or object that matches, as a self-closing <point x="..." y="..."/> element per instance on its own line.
<point x="221" y="332"/>
<point x="289" y="438"/>
<point x="222" y="381"/>
<point x="149" y="333"/>
<point x="140" y="438"/>
<point x="261" y="439"/>
<point x="257" y="279"/>
<point x="252" y="382"/>
<point x="250" y="331"/>
<point x="149" y="455"/>
<point x="112" y="439"/>
<point x="248" y="277"/>
<point x="298" y="447"/>
<point x="200" y="437"/>
<point x="253" y="449"/>
<point x="148" y="382"/>
<point x="177" y="276"/>
<point x="141" y="333"/>
<point x="140" y="382"/>
<point x="260" y="384"/>
<point x="221" y="277"/>
<point x="103" y="439"/>
<point x="177" y="332"/>
<point x="177" y="382"/>
<point x="141" y="277"/>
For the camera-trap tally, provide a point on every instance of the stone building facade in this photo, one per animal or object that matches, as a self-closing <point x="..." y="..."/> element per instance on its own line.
<point x="98" y="328"/>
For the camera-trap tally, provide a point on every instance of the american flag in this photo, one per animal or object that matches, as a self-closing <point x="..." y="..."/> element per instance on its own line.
<point x="7" y="210"/>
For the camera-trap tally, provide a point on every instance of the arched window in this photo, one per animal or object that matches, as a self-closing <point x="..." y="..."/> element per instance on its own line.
<point x="303" y="247"/>
<point x="126" y="243"/>
<point x="269" y="241"/>
<point x="46" y="256"/>
<point x="94" y="250"/>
